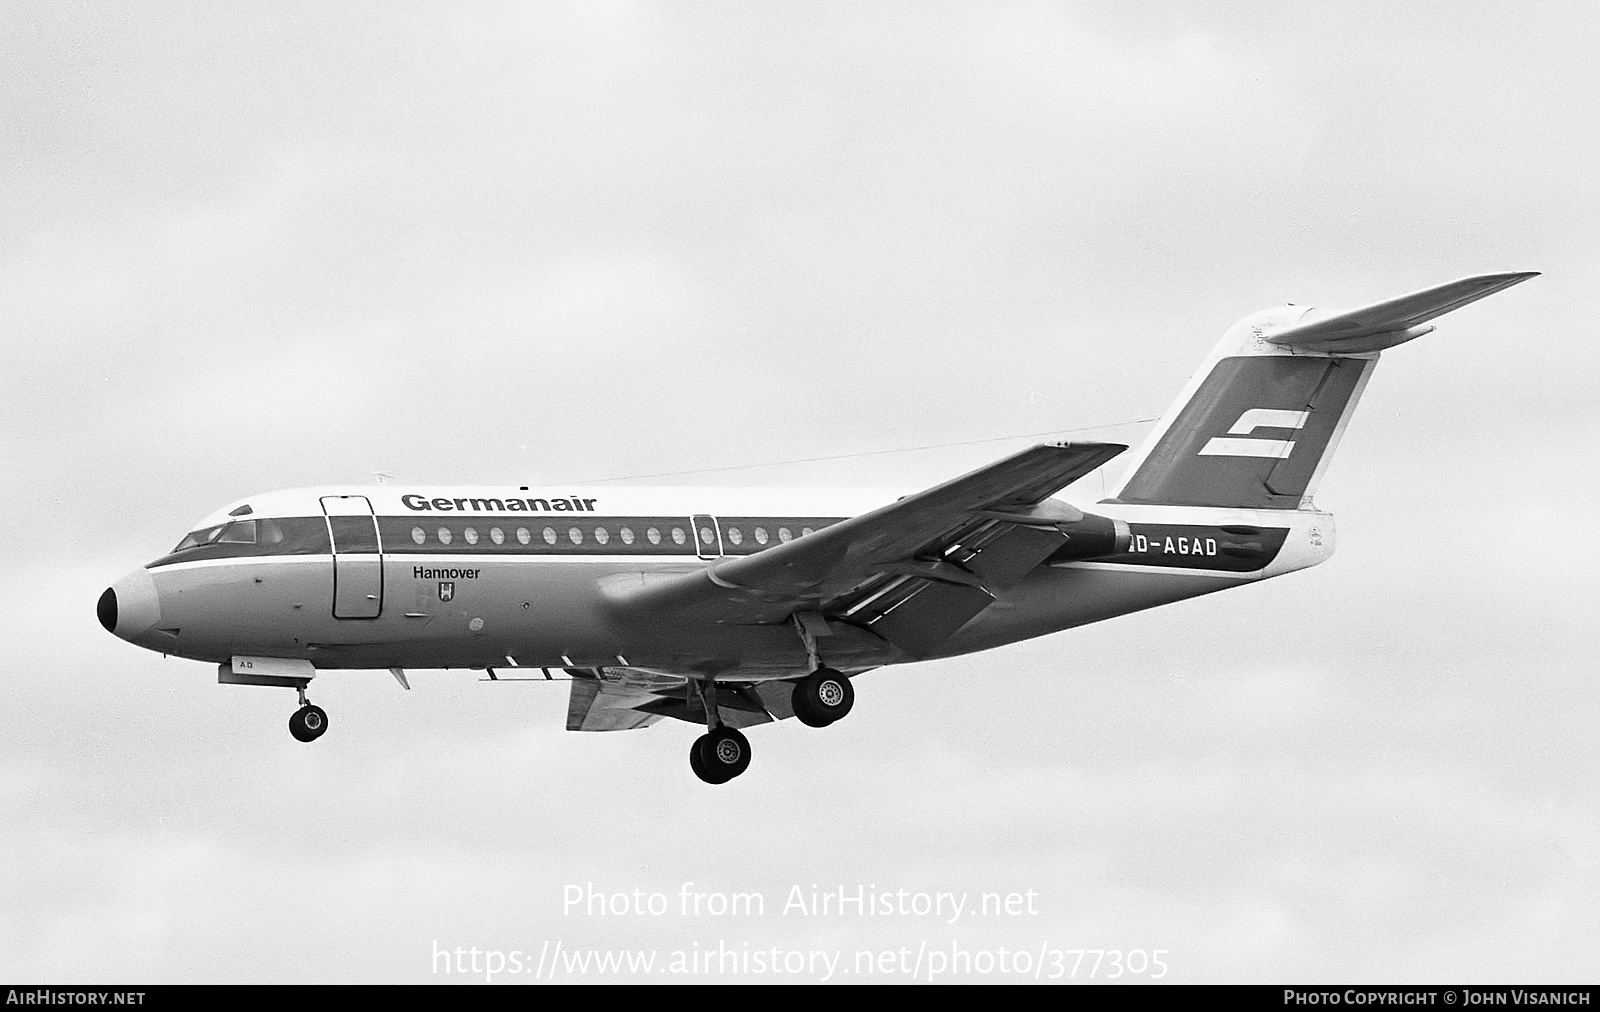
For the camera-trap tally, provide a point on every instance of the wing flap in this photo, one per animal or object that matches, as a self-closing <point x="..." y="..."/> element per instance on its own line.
<point x="594" y="705"/>
<point x="1395" y="321"/>
<point x="929" y="615"/>
<point x="622" y="699"/>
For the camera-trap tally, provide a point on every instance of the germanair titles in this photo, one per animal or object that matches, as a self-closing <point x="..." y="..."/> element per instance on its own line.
<point x="569" y="505"/>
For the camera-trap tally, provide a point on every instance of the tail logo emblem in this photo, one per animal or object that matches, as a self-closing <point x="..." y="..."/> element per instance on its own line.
<point x="1232" y="445"/>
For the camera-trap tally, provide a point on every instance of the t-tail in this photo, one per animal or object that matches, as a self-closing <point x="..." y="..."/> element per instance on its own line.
<point x="1256" y="426"/>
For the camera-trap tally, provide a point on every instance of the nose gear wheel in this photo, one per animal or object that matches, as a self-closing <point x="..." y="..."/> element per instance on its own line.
<point x="308" y="723"/>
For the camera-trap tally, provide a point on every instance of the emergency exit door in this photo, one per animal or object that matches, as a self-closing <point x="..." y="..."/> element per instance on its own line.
<point x="357" y="556"/>
<point x="707" y="535"/>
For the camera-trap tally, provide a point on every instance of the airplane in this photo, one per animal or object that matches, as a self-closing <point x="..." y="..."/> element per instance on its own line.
<point x="736" y="607"/>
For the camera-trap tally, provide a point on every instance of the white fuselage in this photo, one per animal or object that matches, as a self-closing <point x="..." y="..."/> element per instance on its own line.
<point x="497" y="576"/>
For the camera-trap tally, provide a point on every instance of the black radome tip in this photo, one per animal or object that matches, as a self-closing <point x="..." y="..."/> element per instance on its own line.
<point x="107" y="610"/>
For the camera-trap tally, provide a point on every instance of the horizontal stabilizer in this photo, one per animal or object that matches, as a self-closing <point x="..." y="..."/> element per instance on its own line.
<point x="1395" y="321"/>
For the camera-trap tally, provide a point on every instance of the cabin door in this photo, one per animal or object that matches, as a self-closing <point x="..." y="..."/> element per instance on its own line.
<point x="357" y="556"/>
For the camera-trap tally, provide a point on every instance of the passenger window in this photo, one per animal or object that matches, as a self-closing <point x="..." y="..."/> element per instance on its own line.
<point x="444" y="535"/>
<point x="497" y="535"/>
<point x="418" y="535"/>
<point x="574" y="535"/>
<point x="807" y="530"/>
<point x="734" y="535"/>
<point x="784" y="535"/>
<point x="707" y="536"/>
<point x="654" y="535"/>
<point x="761" y="535"/>
<point x="601" y="535"/>
<point x="471" y="536"/>
<point x="678" y="537"/>
<point x="523" y="536"/>
<point x="549" y="535"/>
<point x="627" y="535"/>
<point x="240" y="532"/>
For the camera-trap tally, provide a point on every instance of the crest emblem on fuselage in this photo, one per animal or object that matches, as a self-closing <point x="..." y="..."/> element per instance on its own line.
<point x="446" y="591"/>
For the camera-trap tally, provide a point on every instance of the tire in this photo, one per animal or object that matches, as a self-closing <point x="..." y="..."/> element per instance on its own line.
<point x="724" y="754"/>
<point x="803" y="710"/>
<point x="308" y="723"/>
<point x="822" y="697"/>
<point x="697" y="765"/>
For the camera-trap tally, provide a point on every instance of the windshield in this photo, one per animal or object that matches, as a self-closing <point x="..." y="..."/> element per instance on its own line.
<point x="204" y="536"/>
<point x="239" y="532"/>
<point x="257" y="536"/>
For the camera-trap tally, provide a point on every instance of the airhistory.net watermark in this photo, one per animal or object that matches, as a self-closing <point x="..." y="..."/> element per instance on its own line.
<point x="45" y="996"/>
<point x="835" y="901"/>
<point x="926" y="962"/>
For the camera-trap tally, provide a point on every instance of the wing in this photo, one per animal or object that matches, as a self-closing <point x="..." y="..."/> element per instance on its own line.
<point x="1386" y="324"/>
<point x="914" y="571"/>
<point x="621" y="699"/>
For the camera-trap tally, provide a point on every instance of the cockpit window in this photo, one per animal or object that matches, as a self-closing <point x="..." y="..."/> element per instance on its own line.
<point x="204" y="536"/>
<point x="240" y="532"/>
<point x="255" y="536"/>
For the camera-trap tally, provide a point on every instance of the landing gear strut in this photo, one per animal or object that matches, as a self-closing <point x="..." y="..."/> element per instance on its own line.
<point x="310" y="721"/>
<point x="822" y="697"/>
<point x="722" y="753"/>
<point x="825" y="695"/>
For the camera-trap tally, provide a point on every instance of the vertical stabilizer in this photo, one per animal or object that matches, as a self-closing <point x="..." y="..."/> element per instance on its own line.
<point x="1256" y="426"/>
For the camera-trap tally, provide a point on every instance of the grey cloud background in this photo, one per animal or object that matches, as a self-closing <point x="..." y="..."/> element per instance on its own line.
<point x="248" y="250"/>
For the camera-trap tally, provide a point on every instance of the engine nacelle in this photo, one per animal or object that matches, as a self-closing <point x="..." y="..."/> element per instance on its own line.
<point x="1092" y="537"/>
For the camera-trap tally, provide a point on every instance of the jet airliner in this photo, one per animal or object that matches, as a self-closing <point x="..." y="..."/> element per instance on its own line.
<point x="731" y="608"/>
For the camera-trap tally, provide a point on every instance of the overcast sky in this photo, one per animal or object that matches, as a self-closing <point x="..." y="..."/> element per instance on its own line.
<point x="244" y="250"/>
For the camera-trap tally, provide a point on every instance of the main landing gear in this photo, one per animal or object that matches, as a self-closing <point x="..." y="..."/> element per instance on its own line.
<point x="722" y="753"/>
<point x="818" y="699"/>
<point x="825" y="695"/>
<point x="822" y="697"/>
<point x="719" y="755"/>
<point x="310" y="721"/>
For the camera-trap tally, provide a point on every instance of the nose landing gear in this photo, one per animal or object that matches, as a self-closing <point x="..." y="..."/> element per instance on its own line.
<point x="310" y="721"/>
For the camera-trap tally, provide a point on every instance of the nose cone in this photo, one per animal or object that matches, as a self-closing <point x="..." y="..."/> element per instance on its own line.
<point x="130" y="606"/>
<point x="107" y="610"/>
